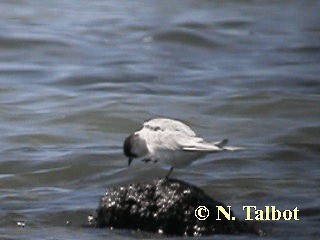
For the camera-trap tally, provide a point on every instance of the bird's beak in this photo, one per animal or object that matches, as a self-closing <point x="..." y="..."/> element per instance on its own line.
<point x="129" y="161"/>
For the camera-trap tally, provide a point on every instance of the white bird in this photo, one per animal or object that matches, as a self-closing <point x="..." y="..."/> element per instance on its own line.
<point x="171" y="142"/>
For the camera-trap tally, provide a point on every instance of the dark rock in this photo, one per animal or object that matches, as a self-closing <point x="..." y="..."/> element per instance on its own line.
<point x="164" y="206"/>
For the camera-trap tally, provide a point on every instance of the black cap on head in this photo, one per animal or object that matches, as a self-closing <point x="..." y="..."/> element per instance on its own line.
<point x="127" y="149"/>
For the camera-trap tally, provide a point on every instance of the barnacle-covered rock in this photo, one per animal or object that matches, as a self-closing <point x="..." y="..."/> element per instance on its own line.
<point x="165" y="206"/>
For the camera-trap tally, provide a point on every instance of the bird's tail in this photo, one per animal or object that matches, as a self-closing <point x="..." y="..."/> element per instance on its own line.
<point x="222" y="144"/>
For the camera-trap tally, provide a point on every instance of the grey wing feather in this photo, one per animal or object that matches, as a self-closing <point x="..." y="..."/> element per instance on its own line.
<point x="173" y="134"/>
<point x="202" y="148"/>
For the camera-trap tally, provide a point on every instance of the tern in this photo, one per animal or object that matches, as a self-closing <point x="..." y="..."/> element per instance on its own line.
<point x="170" y="142"/>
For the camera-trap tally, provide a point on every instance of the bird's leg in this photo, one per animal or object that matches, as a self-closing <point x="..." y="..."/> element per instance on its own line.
<point x="146" y="160"/>
<point x="168" y="174"/>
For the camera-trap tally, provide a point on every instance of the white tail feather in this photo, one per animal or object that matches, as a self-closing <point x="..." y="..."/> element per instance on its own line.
<point x="233" y="148"/>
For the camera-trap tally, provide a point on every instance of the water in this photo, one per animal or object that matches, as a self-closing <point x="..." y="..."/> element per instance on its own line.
<point x="77" y="76"/>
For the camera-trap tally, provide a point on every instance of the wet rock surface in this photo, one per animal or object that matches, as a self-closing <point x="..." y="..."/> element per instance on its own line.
<point x="165" y="206"/>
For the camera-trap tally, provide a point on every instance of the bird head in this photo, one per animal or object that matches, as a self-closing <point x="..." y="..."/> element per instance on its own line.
<point x="128" y="148"/>
<point x="134" y="146"/>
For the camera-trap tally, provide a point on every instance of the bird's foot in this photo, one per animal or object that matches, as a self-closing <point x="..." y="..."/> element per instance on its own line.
<point x="146" y="160"/>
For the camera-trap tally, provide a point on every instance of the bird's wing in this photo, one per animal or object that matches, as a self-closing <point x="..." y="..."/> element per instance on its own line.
<point x="180" y="141"/>
<point x="203" y="147"/>
<point x="165" y="139"/>
<point x="167" y="134"/>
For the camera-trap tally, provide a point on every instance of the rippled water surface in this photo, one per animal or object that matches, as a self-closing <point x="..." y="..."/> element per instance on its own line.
<point x="77" y="76"/>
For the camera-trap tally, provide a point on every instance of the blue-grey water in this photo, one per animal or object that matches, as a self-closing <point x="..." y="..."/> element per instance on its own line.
<point x="76" y="77"/>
